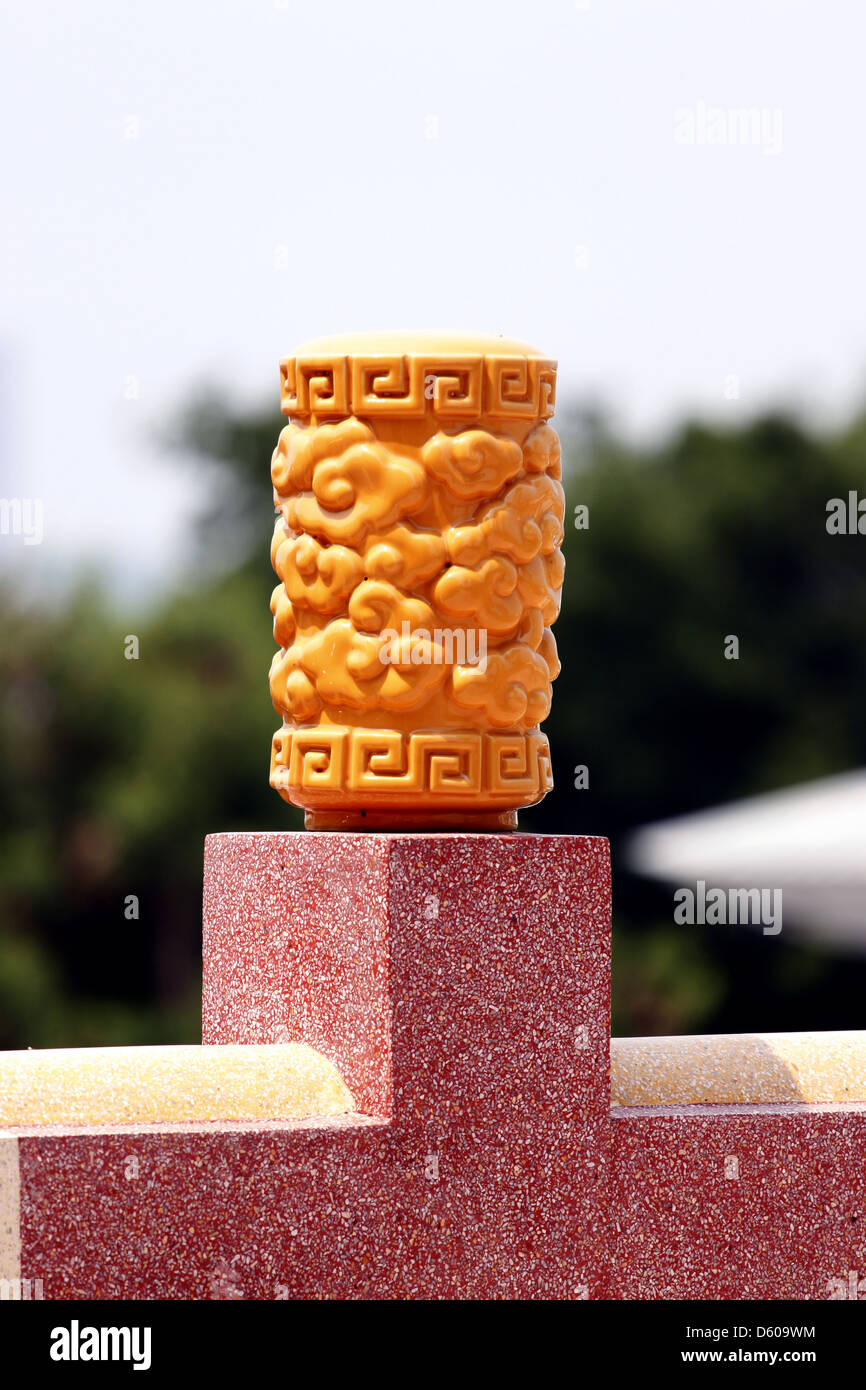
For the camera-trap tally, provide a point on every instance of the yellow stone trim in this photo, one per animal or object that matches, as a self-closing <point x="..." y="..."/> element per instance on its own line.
<point x="166" y="1085"/>
<point x="732" y="1069"/>
<point x="10" y="1218"/>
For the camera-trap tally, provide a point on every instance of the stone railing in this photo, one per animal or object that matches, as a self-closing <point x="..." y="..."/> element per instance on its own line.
<point x="416" y="1095"/>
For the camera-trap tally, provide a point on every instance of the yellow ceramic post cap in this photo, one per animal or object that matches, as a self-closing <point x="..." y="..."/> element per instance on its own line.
<point x="418" y="549"/>
<point x="412" y="340"/>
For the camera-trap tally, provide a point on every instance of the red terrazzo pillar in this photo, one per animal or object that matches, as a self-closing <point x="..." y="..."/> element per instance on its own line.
<point x="461" y="985"/>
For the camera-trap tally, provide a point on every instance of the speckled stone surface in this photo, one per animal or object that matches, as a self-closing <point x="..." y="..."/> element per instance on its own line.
<point x="295" y="948"/>
<point x="735" y="1069"/>
<point x="460" y="985"/>
<point x="738" y="1202"/>
<point x="444" y="975"/>
<point x="154" y="1085"/>
<point x="338" y="1211"/>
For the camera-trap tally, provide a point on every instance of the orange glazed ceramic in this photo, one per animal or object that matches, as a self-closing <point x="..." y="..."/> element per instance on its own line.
<point x="417" y="545"/>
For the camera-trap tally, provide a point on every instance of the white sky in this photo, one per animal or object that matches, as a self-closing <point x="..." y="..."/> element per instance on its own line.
<point x="189" y="189"/>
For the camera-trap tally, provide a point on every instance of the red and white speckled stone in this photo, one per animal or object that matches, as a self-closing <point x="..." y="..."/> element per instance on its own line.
<point x="336" y="1211"/>
<point x="442" y="974"/>
<point x="460" y="985"/>
<point x="739" y="1202"/>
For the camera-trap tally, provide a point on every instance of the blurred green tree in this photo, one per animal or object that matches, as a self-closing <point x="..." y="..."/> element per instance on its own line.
<point x="114" y="770"/>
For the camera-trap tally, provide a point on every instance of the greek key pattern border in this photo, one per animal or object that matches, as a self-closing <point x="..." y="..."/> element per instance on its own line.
<point x="459" y="387"/>
<point x="324" y="764"/>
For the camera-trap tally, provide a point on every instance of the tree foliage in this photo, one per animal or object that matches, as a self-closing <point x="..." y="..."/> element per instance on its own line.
<point x="113" y="770"/>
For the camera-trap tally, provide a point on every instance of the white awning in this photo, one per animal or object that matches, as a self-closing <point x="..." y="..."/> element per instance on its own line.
<point x="809" y="841"/>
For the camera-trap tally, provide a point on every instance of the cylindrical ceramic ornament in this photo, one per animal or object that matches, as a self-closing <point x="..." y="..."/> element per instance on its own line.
<point x="417" y="545"/>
